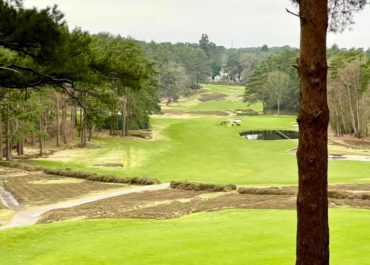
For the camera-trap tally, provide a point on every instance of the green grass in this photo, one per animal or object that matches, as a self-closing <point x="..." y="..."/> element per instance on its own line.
<point x="255" y="237"/>
<point x="223" y="105"/>
<point x="233" y="101"/>
<point x="199" y="149"/>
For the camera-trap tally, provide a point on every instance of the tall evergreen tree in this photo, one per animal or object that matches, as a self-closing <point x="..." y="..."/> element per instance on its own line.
<point x="313" y="120"/>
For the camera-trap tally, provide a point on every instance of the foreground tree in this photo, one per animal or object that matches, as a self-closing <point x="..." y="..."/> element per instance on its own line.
<point x="30" y="39"/>
<point x="313" y="120"/>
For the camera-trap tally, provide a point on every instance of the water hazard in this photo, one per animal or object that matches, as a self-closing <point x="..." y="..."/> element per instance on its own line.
<point x="269" y="135"/>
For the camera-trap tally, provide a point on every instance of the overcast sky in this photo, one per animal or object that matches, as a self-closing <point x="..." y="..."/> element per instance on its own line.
<point x="237" y="23"/>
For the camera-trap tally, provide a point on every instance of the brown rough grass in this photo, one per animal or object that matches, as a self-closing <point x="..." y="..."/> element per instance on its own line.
<point x="184" y="185"/>
<point x="118" y="206"/>
<point x="212" y="97"/>
<point x="172" y="204"/>
<point x="101" y="178"/>
<point x="40" y="189"/>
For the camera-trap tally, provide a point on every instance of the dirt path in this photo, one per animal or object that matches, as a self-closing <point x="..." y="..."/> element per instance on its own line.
<point x="31" y="216"/>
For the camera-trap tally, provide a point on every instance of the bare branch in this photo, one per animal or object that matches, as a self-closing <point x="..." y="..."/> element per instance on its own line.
<point x="8" y="69"/>
<point x="294" y="14"/>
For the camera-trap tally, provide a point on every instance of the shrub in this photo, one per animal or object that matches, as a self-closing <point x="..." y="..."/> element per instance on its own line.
<point x="101" y="178"/>
<point x="184" y="185"/>
<point x="267" y="191"/>
<point x="19" y="166"/>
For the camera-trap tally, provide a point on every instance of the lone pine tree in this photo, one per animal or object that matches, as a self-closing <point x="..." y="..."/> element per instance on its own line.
<point x="313" y="120"/>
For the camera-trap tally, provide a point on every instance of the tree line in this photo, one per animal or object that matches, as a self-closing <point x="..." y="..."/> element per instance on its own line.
<point x="275" y="83"/>
<point x="55" y="81"/>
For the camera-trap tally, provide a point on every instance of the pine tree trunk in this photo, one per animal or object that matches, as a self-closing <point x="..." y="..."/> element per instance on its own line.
<point x="353" y="120"/>
<point x="124" y="114"/>
<point x="8" y="140"/>
<point x="91" y="131"/>
<point x="1" y="139"/>
<point x="19" y="152"/>
<point x="127" y="118"/>
<point x="123" y="111"/>
<point x="81" y="118"/>
<point x="64" y="123"/>
<point x="83" y="128"/>
<point x="73" y="115"/>
<point x="313" y="119"/>
<point x="358" y="117"/>
<point x="57" y="119"/>
<point x="41" y="138"/>
<point x="22" y="147"/>
<point x="111" y="126"/>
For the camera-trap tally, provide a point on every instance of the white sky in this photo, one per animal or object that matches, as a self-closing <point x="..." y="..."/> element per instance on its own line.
<point x="237" y="23"/>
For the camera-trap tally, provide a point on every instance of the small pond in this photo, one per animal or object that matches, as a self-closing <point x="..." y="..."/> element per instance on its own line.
<point x="269" y="135"/>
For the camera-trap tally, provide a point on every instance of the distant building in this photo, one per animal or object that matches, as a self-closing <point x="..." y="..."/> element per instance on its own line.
<point x="222" y="76"/>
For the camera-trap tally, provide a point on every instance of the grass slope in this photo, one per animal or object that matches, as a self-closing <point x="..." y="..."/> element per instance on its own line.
<point x="232" y="101"/>
<point x="199" y="149"/>
<point x="255" y="237"/>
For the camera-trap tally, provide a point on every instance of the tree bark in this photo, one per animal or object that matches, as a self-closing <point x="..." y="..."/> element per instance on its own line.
<point x="22" y="147"/>
<point x="8" y="139"/>
<point x="64" y="123"/>
<point x="81" y="118"/>
<point x="1" y="139"/>
<point x="123" y="116"/>
<point x="358" y="117"/>
<point x="20" y="150"/>
<point x="91" y="132"/>
<point x="125" y="113"/>
<point x="57" y="103"/>
<point x="83" y="128"/>
<point x="353" y="120"/>
<point x="41" y="137"/>
<point x="313" y="119"/>
<point x="74" y="116"/>
<point x="127" y="117"/>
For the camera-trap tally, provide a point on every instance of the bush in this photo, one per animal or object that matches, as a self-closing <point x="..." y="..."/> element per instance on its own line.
<point x="101" y="178"/>
<point x="19" y="166"/>
<point x="267" y="191"/>
<point x="184" y="185"/>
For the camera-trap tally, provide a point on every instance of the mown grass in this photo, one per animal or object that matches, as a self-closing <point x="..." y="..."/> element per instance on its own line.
<point x="232" y="101"/>
<point x="197" y="149"/>
<point x="255" y="237"/>
<point x="200" y="149"/>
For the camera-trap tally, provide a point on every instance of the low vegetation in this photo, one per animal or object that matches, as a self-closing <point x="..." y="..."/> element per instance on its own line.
<point x="102" y="178"/>
<point x="39" y="189"/>
<point x="202" y="186"/>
